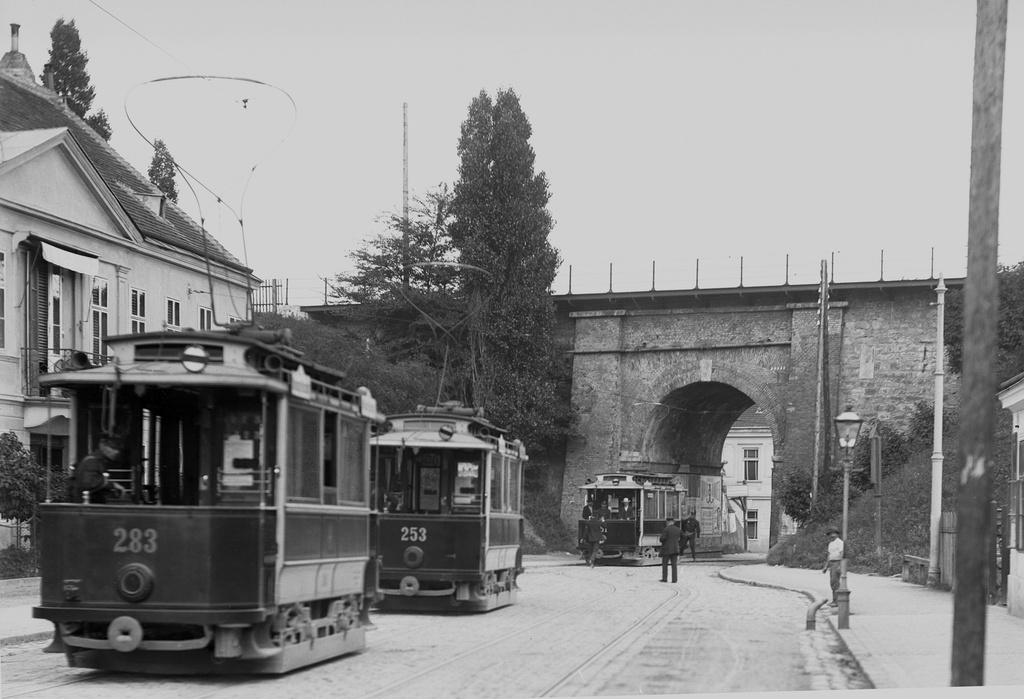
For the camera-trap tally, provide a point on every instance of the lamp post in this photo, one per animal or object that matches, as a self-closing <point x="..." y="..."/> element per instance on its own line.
<point x="847" y="428"/>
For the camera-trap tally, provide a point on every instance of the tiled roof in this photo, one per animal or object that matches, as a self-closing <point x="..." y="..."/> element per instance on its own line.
<point x="26" y="106"/>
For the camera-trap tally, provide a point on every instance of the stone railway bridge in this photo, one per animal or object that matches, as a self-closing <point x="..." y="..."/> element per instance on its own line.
<point x="659" y="377"/>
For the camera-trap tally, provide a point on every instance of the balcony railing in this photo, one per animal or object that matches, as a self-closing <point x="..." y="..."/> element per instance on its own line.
<point x="36" y="362"/>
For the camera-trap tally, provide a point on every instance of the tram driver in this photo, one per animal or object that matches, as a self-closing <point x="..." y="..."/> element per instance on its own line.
<point x="91" y="482"/>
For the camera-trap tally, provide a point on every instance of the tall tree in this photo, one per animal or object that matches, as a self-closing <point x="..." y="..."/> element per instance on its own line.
<point x="1010" y="339"/>
<point x="68" y="61"/>
<point x="502" y="226"/>
<point x="99" y="123"/>
<point x="161" y="170"/>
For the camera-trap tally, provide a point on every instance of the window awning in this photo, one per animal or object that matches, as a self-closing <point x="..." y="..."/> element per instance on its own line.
<point x="77" y="262"/>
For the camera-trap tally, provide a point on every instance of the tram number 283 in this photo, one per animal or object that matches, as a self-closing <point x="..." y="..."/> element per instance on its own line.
<point x="414" y="533"/>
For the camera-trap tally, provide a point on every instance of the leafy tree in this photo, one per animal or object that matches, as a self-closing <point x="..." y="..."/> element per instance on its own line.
<point x="1010" y="341"/>
<point x="23" y="481"/>
<point x="409" y="299"/>
<point x="162" y="171"/>
<point x="68" y="61"/>
<point x="100" y="124"/>
<point x="398" y="386"/>
<point x="502" y="225"/>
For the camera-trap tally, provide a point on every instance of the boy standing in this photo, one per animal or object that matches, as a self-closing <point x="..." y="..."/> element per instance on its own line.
<point x="833" y="562"/>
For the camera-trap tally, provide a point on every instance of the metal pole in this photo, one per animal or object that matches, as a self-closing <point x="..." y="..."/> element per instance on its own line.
<point x="933" y="553"/>
<point x="844" y="592"/>
<point x="981" y="300"/>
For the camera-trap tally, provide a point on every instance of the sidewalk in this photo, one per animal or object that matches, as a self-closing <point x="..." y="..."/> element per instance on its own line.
<point x="901" y="633"/>
<point x="17" y="597"/>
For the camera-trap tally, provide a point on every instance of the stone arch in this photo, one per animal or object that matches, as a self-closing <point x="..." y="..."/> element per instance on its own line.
<point x="688" y="419"/>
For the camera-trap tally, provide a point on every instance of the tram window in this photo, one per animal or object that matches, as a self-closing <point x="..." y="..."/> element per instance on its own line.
<point x="497" y="479"/>
<point x="466" y="491"/>
<point x="672" y="505"/>
<point x="352" y="470"/>
<point x="303" y="480"/>
<point x="429" y="491"/>
<point x="239" y="476"/>
<point x="515" y="479"/>
<point x="330" y="457"/>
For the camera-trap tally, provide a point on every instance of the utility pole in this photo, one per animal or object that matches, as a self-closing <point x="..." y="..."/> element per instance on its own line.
<point x="405" y="195"/>
<point x="940" y="348"/>
<point x="820" y="395"/>
<point x="981" y="302"/>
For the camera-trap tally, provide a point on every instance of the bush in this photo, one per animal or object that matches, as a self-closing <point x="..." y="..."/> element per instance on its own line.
<point x="18" y="563"/>
<point x="542" y="510"/>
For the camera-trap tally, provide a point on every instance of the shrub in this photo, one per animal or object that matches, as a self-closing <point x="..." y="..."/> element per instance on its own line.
<point x="18" y="563"/>
<point x="542" y="509"/>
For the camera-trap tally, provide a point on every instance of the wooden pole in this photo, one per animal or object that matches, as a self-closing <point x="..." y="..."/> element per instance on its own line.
<point x="981" y="301"/>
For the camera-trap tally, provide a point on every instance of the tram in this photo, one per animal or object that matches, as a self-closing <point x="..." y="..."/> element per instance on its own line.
<point x="449" y="486"/>
<point x="634" y="507"/>
<point x="241" y="540"/>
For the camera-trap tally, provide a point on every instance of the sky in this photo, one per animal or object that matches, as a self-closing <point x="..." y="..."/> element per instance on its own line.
<point x="737" y="132"/>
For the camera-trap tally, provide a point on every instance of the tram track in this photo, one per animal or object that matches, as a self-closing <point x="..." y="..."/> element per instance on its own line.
<point x="47" y="690"/>
<point x="650" y="623"/>
<point x="392" y="688"/>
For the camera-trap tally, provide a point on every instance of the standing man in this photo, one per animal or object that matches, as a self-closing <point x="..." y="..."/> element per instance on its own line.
<point x="627" y="511"/>
<point x="833" y="562"/>
<point x="592" y="537"/>
<point x="588" y="508"/>
<point x="691" y="532"/>
<point x="670" y="549"/>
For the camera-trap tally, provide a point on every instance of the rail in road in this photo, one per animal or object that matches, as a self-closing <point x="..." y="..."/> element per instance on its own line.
<point x="576" y="631"/>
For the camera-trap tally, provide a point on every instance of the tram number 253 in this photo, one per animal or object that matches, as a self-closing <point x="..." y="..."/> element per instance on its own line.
<point x="134" y="540"/>
<point x="414" y="533"/>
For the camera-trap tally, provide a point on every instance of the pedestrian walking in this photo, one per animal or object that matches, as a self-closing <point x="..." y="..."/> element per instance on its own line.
<point x="833" y="562"/>
<point x="670" y="549"/>
<point x="691" y="532"/>
<point x="593" y="535"/>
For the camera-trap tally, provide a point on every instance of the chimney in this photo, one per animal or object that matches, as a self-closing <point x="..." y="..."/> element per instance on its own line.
<point x="14" y="63"/>
<point x="48" y="76"/>
<point x="14" y="37"/>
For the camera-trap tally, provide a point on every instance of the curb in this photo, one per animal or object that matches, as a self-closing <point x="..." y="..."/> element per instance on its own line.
<point x="26" y="638"/>
<point x="857" y="652"/>
<point x="14" y="587"/>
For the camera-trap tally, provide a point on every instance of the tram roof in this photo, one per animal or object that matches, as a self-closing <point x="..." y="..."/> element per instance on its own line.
<point x="159" y="373"/>
<point x="424" y="438"/>
<point x="634" y="481"/>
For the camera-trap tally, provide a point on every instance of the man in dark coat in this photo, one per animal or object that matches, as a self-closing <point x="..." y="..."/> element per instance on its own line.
<point x="670" y="549"/>
<point x="627" y="511"/>
<point x="91" y="482"/>
<point x="691" y="532"/>
<point x="592" y="537"/>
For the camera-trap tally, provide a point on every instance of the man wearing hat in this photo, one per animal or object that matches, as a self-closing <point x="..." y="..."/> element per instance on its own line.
<point x="91" y="482"/>
<point x="833" y="562"/>
<point x="627" y="511"/>
<point x="670" y="549"/>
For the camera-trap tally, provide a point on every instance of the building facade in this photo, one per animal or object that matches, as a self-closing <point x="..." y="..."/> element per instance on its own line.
<point x="89" y="248"/>
<point x="747" y="482"/>
<point x="1012" y="398"/>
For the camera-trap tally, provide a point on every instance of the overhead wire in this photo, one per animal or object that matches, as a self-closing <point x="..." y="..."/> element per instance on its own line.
<point x="186" y="174"/>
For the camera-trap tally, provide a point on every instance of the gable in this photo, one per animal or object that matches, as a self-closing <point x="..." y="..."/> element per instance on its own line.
<point x="54" y="184"/>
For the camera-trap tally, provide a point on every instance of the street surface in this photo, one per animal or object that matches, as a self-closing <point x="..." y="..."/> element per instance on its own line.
<point x="575" y="631"/>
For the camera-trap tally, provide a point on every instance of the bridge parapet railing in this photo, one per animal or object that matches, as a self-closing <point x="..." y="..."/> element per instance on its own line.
<point x="781" y="269"/>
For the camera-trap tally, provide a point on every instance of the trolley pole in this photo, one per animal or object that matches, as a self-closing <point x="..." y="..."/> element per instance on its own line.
<point x="981" y="300"/>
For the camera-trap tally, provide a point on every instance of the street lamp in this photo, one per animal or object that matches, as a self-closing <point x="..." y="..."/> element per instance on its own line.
<point x="847" y="428"/>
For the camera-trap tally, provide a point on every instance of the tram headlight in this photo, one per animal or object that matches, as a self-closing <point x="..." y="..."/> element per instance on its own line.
<point x="194" y="358"/>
